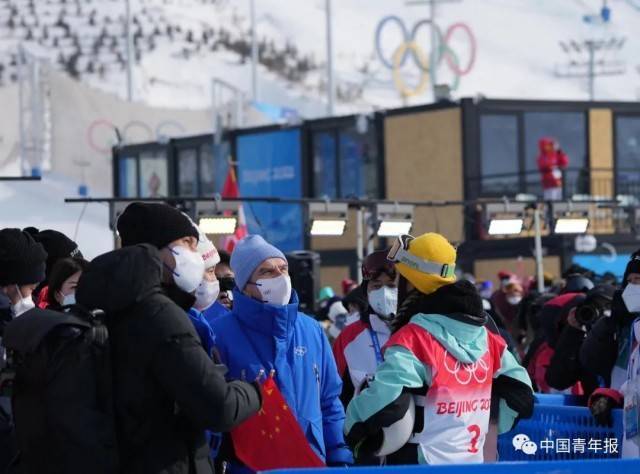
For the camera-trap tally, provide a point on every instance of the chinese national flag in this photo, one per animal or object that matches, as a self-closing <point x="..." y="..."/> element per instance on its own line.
<point x="272" y="438"/>
<point x="231" y="190"/>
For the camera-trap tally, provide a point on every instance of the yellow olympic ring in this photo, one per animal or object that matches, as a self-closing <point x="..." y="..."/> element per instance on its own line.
<point x="398" y="80"/>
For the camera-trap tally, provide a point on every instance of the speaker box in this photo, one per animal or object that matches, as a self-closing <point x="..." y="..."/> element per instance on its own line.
<point x="304" y="269"/>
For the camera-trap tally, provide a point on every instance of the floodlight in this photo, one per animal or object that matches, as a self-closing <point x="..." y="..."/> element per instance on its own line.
<point x="393" y="220"/>
<point x="571" y="225"/>
<point x="506" y="218"/>
<point x="328" y="226"/>
<point x="327" y="219"/>
<point x="394" y="228"/>
<point x="505" y="226"/>
<point x="217" y="217"/>
<point x="218" y="225"/>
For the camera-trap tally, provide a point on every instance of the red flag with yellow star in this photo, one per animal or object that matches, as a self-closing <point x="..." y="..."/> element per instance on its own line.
<point x="272" y="438"/>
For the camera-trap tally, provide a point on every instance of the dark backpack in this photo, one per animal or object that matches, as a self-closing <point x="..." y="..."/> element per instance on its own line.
<point x="59" y="375"/>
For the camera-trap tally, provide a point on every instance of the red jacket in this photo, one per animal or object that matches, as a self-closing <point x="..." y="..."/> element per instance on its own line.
<point x="550" y="162"/>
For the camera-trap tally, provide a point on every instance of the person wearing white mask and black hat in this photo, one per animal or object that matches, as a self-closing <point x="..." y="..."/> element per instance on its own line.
<point x="22" y="268"/>
<point x="358" y="348"/>
<point x="167" y="390"/>
<point x="612" y="351"/>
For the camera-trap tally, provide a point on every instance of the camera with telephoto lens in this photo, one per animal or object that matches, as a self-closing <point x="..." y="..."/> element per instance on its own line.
<point x="587" y="314"/>
<point x="597" y="305"/>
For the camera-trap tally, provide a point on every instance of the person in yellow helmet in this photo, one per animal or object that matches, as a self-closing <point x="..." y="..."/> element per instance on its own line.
<point x="431" y="398"/>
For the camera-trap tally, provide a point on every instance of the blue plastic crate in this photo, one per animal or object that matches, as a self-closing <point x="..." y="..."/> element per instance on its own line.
<point x="551" y="423"/>
<point x="558" y="399"/>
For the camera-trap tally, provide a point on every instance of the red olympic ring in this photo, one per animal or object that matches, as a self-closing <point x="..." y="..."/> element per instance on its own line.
<point x="472" y="40"/>
<point x="90" y="131"/>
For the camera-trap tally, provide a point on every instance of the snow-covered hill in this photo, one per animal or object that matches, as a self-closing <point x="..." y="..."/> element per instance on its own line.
<point x="183" y="44"/>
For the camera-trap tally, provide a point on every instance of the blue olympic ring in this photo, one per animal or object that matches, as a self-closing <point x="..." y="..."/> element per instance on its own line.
<point x="408" y="36"/>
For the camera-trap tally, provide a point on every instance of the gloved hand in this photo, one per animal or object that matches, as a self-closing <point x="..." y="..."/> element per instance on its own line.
<point x="601" y="407"/>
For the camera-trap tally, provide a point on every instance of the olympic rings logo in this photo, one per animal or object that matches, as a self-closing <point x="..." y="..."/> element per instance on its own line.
<point x="101" y="134"/>
<point x="478" y="370"/>
<point x="409" y="48"/>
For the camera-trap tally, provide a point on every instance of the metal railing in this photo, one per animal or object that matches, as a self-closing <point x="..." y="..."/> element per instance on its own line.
<point x="577" y="183"/>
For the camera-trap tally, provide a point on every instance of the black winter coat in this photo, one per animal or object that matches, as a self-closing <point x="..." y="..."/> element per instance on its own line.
<point x="565" y="368"/>
<point x="599" y="351"/>
<point x="167" y="391"/>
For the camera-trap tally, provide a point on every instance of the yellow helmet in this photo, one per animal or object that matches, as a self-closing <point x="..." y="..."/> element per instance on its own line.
<point x="428" y="262"/>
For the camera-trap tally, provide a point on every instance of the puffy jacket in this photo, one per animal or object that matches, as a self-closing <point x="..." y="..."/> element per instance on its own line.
<point x="259" y="336"/>
<point x="478" y="367"/>
<point x="355" y="354"/>
<point x="167" y="391"/>
<point x="550" y="164"/>
<point x="214" y="311"/>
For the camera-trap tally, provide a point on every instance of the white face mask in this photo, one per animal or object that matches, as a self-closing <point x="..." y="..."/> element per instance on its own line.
<point x="384" y="301"/>
<point x="514" y="300"/>
<point x="207" y="294"/>
<point x="631" y="298"/>
<point x="275" y="291"/>
<point x="24" y="305"/>
<point x="189" y="268"/>
<point x="69" y="299"/>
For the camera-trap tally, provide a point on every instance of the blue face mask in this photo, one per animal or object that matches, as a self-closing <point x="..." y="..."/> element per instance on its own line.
<point x="69" y="299"/>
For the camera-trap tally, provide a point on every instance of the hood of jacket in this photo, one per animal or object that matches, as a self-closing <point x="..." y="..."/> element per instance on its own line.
<point x="118" y="279"/>
<point x="466" y="342"/>
<point x="460" y="301"/>
<point x="268" y="319"/>
<point x="545" y="142"/>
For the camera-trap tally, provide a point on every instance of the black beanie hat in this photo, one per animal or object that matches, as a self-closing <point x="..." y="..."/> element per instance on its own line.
<point x="153" y="223"/>
<point x="22" y="259"/>
<point x="632" y="267"/>
<point x="56" y="244"/>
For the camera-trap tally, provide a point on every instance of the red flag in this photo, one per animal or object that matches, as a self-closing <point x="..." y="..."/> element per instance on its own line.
<point x="231" y="190"/>
<point x="272" y="438"/>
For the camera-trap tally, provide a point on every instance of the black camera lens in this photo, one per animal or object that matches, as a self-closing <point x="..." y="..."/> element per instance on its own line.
<point x="587" y="314"/>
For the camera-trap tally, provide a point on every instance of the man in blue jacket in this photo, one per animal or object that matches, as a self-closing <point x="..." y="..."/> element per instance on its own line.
<point x="265" y="332"/>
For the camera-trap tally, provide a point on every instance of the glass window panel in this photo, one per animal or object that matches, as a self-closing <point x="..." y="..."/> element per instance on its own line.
<point x="153" y="174"/>
<point x="220" y="163"/>
<point x="499" y="154"/>
<point x="569" y="130"/>
<point x="207" y="174"/>
<point x="324" y="164"/>
<point x="358" y="165"/>
<point x="128" y="178"/>
<point x="187" y="172"/>
<point x="628" y="155"/>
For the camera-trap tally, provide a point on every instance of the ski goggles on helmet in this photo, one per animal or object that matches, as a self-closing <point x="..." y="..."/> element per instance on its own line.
<point x="376" y="263"/>
<point x="399" y="253"/>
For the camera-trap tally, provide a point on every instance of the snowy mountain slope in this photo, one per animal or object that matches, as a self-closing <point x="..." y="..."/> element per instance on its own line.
<point x="517" y="49"/>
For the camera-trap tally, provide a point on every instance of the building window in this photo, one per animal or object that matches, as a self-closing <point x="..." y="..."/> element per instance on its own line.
<point x="345" y="163"/>
<point x="153" y="174"/>
<point x="627" y="160"/>
<point x="499" y="164"/>
<point x="187" y="172"/>
<point x="325" y="176"/>
<point x="569" y="131"/>
<point x="128" y="179"/>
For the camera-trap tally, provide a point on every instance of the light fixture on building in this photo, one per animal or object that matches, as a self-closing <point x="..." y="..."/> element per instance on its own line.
<point x="571" y="218"/>
<point x="504" y="226"/>
<point x="327" y="219"/>
<point x="393" y="220"/>
<point x="506" y="218"/>
<point x="571" y="225"/>
<point x="217" y="217"/>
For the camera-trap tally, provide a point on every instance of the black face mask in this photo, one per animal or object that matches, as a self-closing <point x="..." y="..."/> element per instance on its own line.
<point x="227" y="283"/>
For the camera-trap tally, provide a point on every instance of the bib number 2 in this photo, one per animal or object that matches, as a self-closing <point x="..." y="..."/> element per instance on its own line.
<point x="475" y="435"/>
